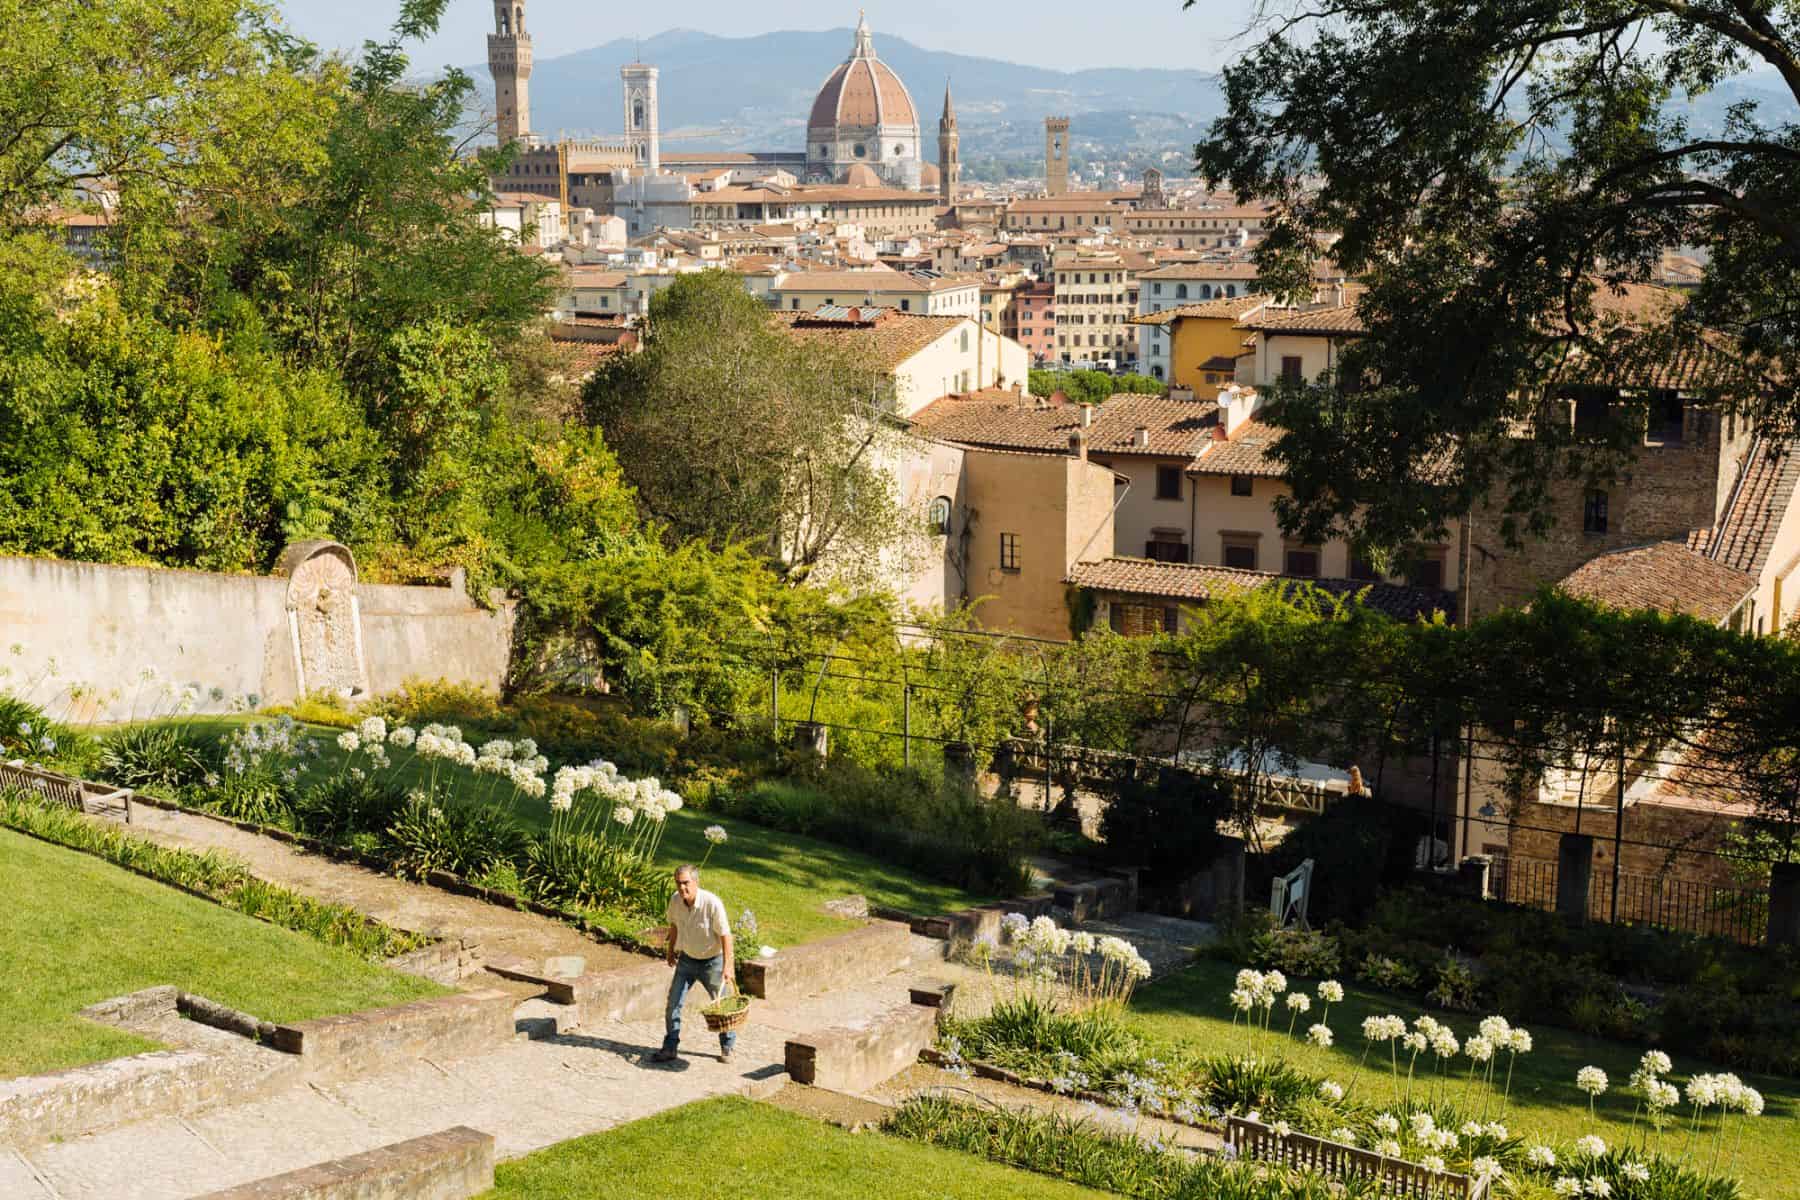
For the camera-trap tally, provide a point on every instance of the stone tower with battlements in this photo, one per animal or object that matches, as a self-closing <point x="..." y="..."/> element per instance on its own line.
<point x="1056" y="155"/>
<point x="640" y="115"/>
<point x="949" y="155"/>
<point x="509" y="62"/>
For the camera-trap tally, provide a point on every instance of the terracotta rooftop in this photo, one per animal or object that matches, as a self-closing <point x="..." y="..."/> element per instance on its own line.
<point x="1204" y="270"/>
<point x="1231" y="308"/>
<point x="1003" y="420"/>
<point x="888" y="341"/>
<point x="1765" y="487"/>
<point x="1245" y="453"/>
<point x="1664" y="576"/>
<point x="1329" y="320"/>
<point x="579" y="277"/>
<point x="1192" y="581"/>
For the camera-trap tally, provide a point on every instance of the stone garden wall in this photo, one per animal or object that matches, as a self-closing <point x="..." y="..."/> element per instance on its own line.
<point x="312" y="626"/>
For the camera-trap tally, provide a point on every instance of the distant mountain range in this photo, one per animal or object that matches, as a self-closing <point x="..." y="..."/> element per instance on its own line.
<point x="754" y="93"/>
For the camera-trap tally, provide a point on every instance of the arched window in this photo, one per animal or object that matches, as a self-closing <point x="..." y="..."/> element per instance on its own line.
<point x="1156" y="371"/>
<point x="937" y="517"/>
<point x="1181" y="291"/>
<point x="1206" y="291"/>
<point x="1230" y="290"/>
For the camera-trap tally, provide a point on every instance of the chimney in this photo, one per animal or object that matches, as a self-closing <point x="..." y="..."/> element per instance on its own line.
<point x="1140" y="437"/>
<point x="1019" y="388"/>
<point x="1218" y="432"/>
<point x="1337" y="295"/>
<point x="1078" y="445"/>
<point x="1087" y="414"/>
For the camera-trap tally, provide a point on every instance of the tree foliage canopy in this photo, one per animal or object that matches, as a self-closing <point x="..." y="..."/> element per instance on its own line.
<point x="1498" y="170"/>
<point x="734" y="432"/>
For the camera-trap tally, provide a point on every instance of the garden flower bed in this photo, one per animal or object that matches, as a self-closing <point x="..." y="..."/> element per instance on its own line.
<point x="1414" y="1090"/>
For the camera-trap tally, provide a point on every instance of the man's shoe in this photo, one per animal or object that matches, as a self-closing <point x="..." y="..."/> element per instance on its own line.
<point x="727" y="1054"/>
<point x="663" y="1056"/>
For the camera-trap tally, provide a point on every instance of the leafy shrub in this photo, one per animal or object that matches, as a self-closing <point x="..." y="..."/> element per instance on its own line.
<point x="1454" y="986"/>
<point x="319" y="708"/>
<point x="337" y="808"/>
<point x="579" y="871"/>
<point x="259" y="797"/>
<point x="1359" y="846"/>
<point x="26" y="732"/>
<point x="443" y="834"/>
<point x="1240" y="1084"/>
<point x="1387" y="974"/>
<point x="1024" y="1029"/>
<point x="156" y="758"/>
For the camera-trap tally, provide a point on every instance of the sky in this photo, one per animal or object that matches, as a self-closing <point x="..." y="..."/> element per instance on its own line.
<point x="1063" y="34"/>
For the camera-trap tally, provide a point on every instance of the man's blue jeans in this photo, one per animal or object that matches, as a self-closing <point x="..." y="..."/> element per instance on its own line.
<point x="709" y="973"/>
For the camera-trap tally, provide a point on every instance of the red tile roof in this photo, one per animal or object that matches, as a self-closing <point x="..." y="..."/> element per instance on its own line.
<point x="1002" y="420"/>
<point x="888" y="341"/>
<point x="1192" y="581"/>
<point x="1765" y="487"/>
<point x="1664" y="576"/>
<point x="1233" y="308"/>
<point x="1245" y="453"/>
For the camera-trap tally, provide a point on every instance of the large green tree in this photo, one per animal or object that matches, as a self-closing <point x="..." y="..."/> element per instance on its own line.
<point x="1498" y="170"/>
<point x="734" y="432"/>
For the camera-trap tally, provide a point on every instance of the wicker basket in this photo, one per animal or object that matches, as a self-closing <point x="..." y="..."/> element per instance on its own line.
<point x="723" y="1019"/>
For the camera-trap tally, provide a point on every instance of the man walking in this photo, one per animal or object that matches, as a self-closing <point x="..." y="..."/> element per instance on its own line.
<point x="699" y="948"/>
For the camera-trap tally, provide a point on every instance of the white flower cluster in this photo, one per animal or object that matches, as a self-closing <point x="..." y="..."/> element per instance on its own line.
<point x="628" y="798"/>
<point x="444" y="742"/>
<point x="1486" y="1167"/>
<point x="261" y="742"/>
<point x="1257" y="989"/>
<point x="1659" y="1094"/>
<point x="1331" y="991"/>
<point x="1331" y="1091"/>
<point x="1591" y="1080"/>
<point x="1041" y="943"/>
<point x="715" y="835"/>
<point x="1541" y="1156"/>
<point x="1319" y="1035"/>
<point x="1592" y="1146"/>
<point x="1726" y="1091"/>
<point x="1383" y="1029"/>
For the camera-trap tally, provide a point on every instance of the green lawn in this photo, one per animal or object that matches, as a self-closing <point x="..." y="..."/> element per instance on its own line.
<point x="735" y="1149"/>
<point x="1190" y="1008"/>
<point x="783" y="878"/>
<point x="74" y="930"/>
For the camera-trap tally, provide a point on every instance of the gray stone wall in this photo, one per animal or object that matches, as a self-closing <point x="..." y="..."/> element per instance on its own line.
<point x="78" y="638"/>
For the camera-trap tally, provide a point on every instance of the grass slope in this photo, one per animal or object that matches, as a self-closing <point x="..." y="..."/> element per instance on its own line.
<point x="1190" y="1007"/>
<point x="74" y="930"/>
<point x="735" y="1149"/>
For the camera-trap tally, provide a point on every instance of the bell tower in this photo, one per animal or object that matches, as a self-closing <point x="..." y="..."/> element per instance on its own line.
<point x="639" y="80"/>
<point x="509" y="62"/>
<point x="949" y="161"/>
<point x="1056" y="155"/>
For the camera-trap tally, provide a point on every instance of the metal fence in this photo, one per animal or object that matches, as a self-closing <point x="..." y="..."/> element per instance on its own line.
<point x="1527" y="881"/>
<point x="1690" y="905"/>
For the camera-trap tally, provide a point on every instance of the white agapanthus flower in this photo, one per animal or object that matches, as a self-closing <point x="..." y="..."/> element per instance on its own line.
<point x="1596" y="1185"/>
<point x="1486" y="1167"/>
<point x="1637" y="1172"/>
<point x="1443" y="1139"/>
<point x="1282" y="1129"/>
<point x="1242" y="1000"/>
<point x="624" y="814"/>
<point x="1319" y="1035"/>
<point x="1331" y="1091"/>
<point x="1660" y="1094"/>
<point x="1591" y="1146"/>
<point x="1388" y="1148"/>
<point x="1591" y="1080"/>
<point x="714" y="834"/>
<point x="1478" y="1048"/>
<point x="1344" y="1134"/>
<point x="1331" y="991"/>
<point x="403" y="736"/>
<point x="1495" y="1029"/>
<point x="373" y="729"/>
<point x="1444" y="1044"/>
<point x="1541" y="1156"/>
<point x="1495" y="1130"/>
<point x="1519" y="1041"/>
<point x="1433" y="1163"/>
<point x="1387" y="1123"/>
<point x="1566" y="1185"/>
<point x="1655" y="1064"/>
<point x="1416" y="1042"/>
<point x="1299" y="1002"/>
<point x="1422" y="1126"/>
<point x="348" y="741"/>
<point x="1471" y="1129"/>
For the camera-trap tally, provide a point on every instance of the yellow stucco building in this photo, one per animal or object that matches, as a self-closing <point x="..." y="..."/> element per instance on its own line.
<point x="1204" y="341"/>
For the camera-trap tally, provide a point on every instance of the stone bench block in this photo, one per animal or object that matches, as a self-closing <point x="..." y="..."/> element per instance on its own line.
<point x="855" y="1058"/>
<point x="870" y="952"/>
<point x="441" y="1027"/>
<point x="452" y="1165"/>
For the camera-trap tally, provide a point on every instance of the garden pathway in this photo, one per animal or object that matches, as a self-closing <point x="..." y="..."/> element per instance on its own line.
<point x="487" y="929"/>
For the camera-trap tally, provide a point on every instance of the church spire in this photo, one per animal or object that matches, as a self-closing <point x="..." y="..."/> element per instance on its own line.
<point x="949" y="151"/>
<point x="948" y="120"/>
<point x="865" y="41"/>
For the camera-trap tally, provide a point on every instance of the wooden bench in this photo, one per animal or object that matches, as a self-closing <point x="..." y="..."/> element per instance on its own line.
<point x="78" y="794"/>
